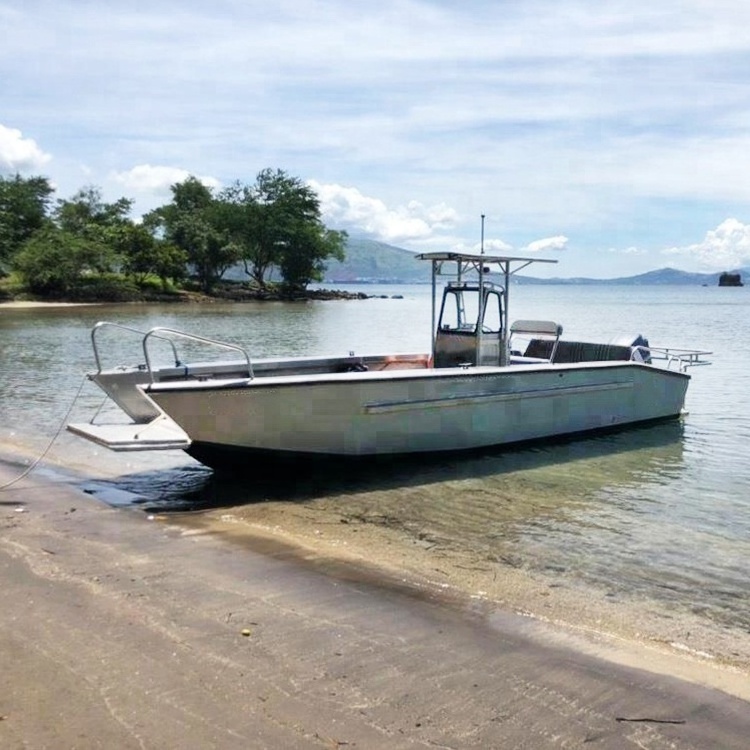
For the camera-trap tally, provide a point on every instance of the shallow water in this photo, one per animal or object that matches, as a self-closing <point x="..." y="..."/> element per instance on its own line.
<point x="658" y="514"/>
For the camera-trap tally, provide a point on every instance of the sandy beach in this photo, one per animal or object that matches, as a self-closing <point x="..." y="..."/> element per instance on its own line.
<point x="124" y="629"/>
<point x="22" y="304"/>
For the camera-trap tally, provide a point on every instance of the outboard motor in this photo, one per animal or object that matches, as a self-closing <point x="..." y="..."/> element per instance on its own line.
<point x="638" y="345"/>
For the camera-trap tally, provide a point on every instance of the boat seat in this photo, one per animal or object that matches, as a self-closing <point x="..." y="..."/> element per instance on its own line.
<point x="571" y="352"/>
<point x="534" y="329"/>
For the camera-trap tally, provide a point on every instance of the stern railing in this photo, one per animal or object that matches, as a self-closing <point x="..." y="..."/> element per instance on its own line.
<point x="129" y="329"/>
<point x="168" y="333"/>
<point x="165" y="335"/>
<point x="680" y="359"/>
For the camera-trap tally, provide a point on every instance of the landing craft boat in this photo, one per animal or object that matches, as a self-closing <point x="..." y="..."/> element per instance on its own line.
<point x="485" y="382"/>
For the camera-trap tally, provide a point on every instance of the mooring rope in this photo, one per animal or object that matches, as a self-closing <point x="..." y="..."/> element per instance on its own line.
<point x="57" y="434"/>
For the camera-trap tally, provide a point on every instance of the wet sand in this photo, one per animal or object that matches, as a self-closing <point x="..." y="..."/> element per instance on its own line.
<point x="121" y="629"/>
<point x="637" y="633"/>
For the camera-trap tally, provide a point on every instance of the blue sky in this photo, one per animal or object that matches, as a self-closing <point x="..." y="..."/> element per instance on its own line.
<point x="614" y="136"/>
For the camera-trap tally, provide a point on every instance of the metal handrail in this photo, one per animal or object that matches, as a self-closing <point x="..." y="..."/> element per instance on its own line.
<point x="682" y="358"/>
<point x="158" y="333"/>
<point x="105" y="323"/>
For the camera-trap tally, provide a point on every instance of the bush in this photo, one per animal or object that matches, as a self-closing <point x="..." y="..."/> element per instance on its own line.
<point x="105" y="288"/>
<point x="54" y="263"/>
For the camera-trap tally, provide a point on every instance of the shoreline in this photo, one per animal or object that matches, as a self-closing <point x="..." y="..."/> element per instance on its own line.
<point x="161" y="633"/>
<point x="335" y="533"/>
<point x="27" y="304"/>
<point x="191" y="298"/>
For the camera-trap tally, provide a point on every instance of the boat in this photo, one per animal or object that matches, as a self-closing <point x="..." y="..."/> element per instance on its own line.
<point x="485" y="382"/>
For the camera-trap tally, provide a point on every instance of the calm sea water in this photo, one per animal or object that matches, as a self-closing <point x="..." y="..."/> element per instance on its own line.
<point x="661" y="513"/>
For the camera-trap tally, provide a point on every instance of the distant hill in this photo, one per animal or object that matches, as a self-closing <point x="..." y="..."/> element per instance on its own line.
<point x="662" y="277"/>
<point x="369" y="261"/>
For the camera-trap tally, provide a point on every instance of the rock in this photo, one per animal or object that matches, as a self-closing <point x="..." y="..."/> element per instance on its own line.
<point x="730" y="279"/>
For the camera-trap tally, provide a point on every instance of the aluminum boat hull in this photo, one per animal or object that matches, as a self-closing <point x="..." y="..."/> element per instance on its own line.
<point x="404" y="412"/>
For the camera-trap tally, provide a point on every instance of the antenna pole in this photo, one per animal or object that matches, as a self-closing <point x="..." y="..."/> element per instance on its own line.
<point x="482" y="241"/>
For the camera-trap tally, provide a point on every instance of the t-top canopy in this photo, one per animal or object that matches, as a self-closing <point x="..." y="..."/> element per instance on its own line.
<point x="456" y="256"/>
<point x="478" y="260"/>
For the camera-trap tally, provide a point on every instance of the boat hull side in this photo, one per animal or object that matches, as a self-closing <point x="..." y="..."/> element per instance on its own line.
<point x="368" y="416"/>
<point x="228" y="458"/>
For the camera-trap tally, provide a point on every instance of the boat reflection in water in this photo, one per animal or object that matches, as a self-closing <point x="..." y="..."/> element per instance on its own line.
<point x="563" y="471"/>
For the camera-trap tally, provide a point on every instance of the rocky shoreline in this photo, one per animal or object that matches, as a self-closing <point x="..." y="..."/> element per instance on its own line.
<point x="227" y="292"/>
<point x="242" y="293"/>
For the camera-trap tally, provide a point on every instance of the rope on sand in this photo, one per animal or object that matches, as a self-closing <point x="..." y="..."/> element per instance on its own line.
<point x="57" y="434"/>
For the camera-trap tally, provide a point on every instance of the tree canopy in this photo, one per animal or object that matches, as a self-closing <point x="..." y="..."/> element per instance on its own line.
<point x="272" y="224"/>
<point x="191" y="222"/>
<point x="276" y="223"/>
<point x="24" y="208"/>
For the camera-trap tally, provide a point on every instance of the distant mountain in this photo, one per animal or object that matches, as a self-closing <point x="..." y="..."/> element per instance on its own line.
<point x="662" y="277"/>
<point x="369" y="261"/>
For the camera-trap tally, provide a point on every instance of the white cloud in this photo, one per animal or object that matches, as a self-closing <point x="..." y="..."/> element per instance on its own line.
<point x="157" y="180"/>
<point x="501" y="247"/>
<point x="490" y="246"/>
<point x="549" y="244"/>
<point x="19" y="154"/>
<point x="348" y="208"/>
<point x="494" y="246"/>
<point x="727" y="247"/>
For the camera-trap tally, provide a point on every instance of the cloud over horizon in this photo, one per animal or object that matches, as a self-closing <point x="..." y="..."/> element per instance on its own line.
<point x="19" y="154"/>
<point x="157" y="180"/>
<point x="725" y="248"/>
<point x="347" y="208"/>
<point x="548" y="244"/>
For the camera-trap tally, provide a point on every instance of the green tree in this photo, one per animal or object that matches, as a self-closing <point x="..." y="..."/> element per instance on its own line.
<point x="24" y="209"/>
<point x="95" y="225"/>
<point x="193" y="223"/>
<point x="239" y="215"/>
<point x="303" y="259"/>
<point x="53" y="262"/>
<point x="89" y="218"/>
<point x="70" y="250"/>
<point x="86" y="214"/>
<point x="276" y="222"/>
<point x="144" y="255"/>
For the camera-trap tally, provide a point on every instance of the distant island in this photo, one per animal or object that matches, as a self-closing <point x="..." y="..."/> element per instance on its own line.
<point x="730" y="279"/>
<point x="371" y="262"/>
